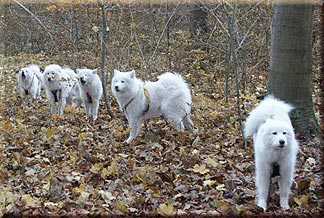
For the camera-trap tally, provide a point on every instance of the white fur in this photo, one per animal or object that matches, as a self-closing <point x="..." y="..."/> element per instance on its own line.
<point x="169" y="96"/>
<point x="74" y="90"/>
<point x="29" y="84"/>
<point x="274" y="142"/>
<point x="91" y="90"/>
<point x="56" y="83"/>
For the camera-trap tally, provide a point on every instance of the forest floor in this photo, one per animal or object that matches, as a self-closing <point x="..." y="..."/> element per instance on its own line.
<point x="66" y="165"/>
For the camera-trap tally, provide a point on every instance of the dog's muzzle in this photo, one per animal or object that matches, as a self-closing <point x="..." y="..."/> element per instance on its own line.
<point x="117" y="88"/>
<point x="49" y="79"/>
<point x="23" y="75"/>
<point x="281" y="143"/>
<point x="83" y="82"/>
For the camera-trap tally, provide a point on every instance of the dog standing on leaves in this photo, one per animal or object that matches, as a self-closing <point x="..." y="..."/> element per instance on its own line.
<point x="30" y="83"/>
<point x="56" y="83"/>
<point x="169" y="96"/>
<point x="274" y="145"/>
<point x="91" y="90"/>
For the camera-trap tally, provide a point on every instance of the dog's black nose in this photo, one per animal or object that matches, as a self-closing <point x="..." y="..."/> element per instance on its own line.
<point x="82" y="81"/>
<point x="116" y="88"/>
<point x="23" y="75"/>
<point x="282" y="143"/>
<point x="49" y="79"/>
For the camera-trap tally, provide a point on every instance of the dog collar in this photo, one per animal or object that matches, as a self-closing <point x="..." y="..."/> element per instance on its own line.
<point x="126" y="105"/>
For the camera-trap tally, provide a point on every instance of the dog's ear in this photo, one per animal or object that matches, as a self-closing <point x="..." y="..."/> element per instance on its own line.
<point x="95" y="71"/>
<point x="116" y="72"/>
<point x="132" y="74"/>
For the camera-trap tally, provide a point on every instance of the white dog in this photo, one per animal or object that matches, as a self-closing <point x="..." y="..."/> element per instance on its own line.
<point x="169" y="96"/>
<point x="30" y="83"/>
<point x="56" y="83"/>
<point x="274" y="144"/>
<point x="91" y="90"/>
<point x="74" y="90"/>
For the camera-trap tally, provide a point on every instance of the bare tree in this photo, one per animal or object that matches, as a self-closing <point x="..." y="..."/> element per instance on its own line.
<point x="291" y="63"/>
<point x="103" y="56"/>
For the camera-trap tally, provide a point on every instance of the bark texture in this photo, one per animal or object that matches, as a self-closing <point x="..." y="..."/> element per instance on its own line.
<point x="198" y="20"/>
<point x="291" y="63"/>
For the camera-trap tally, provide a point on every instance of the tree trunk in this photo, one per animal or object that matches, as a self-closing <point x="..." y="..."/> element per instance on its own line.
<point x="103" y="58"/>
<point x="291" y="63"/>
<point x="198" y="20"/>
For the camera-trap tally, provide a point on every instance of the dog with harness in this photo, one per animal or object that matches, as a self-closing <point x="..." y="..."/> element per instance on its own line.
<point x="169" y="96"/>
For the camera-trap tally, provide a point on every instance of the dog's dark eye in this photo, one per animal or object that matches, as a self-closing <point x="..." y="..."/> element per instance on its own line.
<point x="122" y="81"/>
<point x="274" y="133"/>
<point x="284" y="133"/>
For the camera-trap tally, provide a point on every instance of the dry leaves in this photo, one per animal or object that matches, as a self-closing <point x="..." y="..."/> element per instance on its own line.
<point x="65" y="164"/>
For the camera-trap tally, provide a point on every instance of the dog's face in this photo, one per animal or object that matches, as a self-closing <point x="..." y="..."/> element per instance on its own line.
<point x="25" y="75"/>
<point x="277" y="133"/>
<point x="122" y="80"/>
<point x="52" y="73"/>
<point x="86" y="76"/>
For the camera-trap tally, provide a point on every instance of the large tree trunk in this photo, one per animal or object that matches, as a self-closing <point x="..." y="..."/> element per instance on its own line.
<point x="291" y="63"/>
<point x="198" y="20"/>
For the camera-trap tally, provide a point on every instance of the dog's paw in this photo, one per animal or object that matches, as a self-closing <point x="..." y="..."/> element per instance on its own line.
<point x="284" y="204"/>
<point x="262" y="204"/>
<point x="129" y="140"/>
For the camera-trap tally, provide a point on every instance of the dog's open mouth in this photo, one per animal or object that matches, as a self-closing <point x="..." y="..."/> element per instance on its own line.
<point x="83" y="81"/>
<point x="23" y="76"/>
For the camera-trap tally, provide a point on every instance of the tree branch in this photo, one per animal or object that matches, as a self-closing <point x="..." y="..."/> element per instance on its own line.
<point x="37" y="19"/>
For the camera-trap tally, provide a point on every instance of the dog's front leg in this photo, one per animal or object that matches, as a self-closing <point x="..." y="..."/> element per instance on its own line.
<point x="94" y="109"/>
<point x="262" y="182"/>
<point x="24" y="100"/>
<point x="87" y="108"/>
<point x="285" y="183"/>
<point x="135" y="125"/>
<point x="62" y="104"/>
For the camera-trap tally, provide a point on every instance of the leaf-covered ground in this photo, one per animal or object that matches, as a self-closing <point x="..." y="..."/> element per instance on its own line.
<point x="66" y="165"/>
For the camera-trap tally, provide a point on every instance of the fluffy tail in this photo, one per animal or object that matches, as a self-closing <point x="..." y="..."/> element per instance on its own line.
<point x="270" y="107"/>
<point x="175" y="81"/>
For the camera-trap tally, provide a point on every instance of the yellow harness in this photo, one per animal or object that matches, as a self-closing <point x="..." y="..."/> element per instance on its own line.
<point x="147" y="95"/>
<point x="148" y="99"/>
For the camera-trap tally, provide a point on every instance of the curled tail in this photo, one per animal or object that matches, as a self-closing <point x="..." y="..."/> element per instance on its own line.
<point x="175" y="81"/>
<point x="269" y="108"/>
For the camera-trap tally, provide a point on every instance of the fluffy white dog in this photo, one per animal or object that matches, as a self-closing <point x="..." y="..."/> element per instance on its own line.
<point x="169" y="96"/>
<point x="56" y="83"/>
<point x="274" y="144"/>
<point x="30" y="83"/>
<point x="74" y="90"/>
<point x="91" y="90"/>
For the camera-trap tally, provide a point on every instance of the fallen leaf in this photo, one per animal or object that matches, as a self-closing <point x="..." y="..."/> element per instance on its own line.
<point x="167" y="210"/>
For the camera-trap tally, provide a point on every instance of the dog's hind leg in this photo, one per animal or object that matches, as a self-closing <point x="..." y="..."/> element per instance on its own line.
<point x="94" y="109"/>
<point x="175" y="119"/>
<point x="188" y="124"/>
